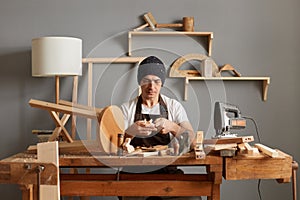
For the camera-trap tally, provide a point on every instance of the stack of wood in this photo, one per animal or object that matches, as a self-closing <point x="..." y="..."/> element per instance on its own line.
<point x="235" y="145"/>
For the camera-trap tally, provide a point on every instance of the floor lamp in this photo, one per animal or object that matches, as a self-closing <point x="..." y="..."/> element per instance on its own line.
<point x="57" y="57"/>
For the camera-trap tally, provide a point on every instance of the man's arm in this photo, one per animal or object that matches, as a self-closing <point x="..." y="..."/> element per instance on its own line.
<point x="166" y="126"/>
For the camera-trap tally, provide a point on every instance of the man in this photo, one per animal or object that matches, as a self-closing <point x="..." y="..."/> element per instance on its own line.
<point x="166" y="117"/>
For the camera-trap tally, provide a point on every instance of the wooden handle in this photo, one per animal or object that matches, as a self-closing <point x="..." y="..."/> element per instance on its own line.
<point x="169" y="25"/>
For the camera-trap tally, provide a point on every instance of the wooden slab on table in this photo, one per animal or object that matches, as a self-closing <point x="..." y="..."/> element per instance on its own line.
<point x="217" y="147"/>
<point x="111" y="123"/>
<point x="237" y="140"/>
<point x="258" y="167"/>
<point x="76" y="147"/>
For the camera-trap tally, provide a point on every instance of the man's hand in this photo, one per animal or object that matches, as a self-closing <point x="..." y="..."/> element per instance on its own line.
<point x="166" y="126"/>
<point x="141" y="128"/>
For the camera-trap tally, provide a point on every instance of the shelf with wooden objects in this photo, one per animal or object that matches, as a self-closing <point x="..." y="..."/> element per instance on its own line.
<point x="209" y="36"/>
<point x="265" y="81"/>
<point x="196" y="75"/>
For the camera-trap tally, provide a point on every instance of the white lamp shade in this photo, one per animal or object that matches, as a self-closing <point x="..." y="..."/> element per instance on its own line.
<point x="56" y="56"/>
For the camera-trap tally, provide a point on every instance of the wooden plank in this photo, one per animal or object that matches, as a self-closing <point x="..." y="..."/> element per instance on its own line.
<point x="134" y="177"/>
<point x="129" y="188"/>
<point x="251" y="150"/>
<point x="61" y="108"/>
<point x="217" y="147"/>
<point x="92" y="161"/>
<point x="48" y="152"/>
<point x="267" y="150"/>
<point x="230" y="78"/>
<point x="192" y="33"/>
<point x="238" y="140"/>
<point x="80" y="106"/>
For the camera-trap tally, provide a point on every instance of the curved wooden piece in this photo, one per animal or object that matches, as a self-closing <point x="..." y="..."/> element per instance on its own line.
<point x="111" y="122"/>
<point x="176" y="72"/>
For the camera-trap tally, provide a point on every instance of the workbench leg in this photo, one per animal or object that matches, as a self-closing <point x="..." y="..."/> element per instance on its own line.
<point x="215" y="193"/>
<point x="27" y="192"/>
<point x="294" y="181"/>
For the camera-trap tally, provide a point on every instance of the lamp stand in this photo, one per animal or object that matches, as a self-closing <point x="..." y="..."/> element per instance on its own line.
<point x="56" y="89"/>
<point x="60" y="121"/>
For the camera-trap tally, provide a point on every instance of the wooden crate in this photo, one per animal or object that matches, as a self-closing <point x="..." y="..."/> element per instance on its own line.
<point x="260" y="166"/>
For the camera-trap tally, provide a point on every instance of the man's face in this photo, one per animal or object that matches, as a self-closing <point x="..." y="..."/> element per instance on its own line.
<point x="150" y="86"/>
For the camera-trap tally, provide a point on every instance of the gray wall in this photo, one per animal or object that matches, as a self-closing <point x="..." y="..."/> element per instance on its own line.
<point x="259" y="38"/>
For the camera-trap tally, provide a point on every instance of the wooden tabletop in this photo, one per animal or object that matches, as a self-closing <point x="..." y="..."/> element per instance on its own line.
<point x="98" y="161"/>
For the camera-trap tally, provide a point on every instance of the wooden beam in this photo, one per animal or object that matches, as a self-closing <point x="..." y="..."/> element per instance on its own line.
<point x="238" y="140"/>
<point x="80" y="106"/>
<point x="267" y="150"/>
<point x="61" y="108"/>
<point x="129" y="188"/>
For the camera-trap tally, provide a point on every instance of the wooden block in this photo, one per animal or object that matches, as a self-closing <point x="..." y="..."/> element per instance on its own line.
<point x="251" y="150"/>
<point x="199" y="151"/>
<point x="217" y="147"/>
<point x="242" y="147"/>
<point x="48" y="152"/>
<point x="146" y="154"/>
<point x="200" y="154"/>
<point x="199" y="137"/>
<point x="267" y="150"/>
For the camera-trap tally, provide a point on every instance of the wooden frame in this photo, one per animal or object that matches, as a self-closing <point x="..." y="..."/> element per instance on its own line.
<point x="90" y="62"/>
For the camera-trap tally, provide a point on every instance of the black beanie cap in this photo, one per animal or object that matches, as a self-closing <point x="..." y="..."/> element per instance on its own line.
<point x="151" y="66"/>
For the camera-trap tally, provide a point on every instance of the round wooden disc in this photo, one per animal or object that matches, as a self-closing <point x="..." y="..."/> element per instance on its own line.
<point x="111" y="122"/>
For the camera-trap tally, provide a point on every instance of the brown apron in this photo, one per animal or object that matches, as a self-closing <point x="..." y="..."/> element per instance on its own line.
<point x="155" y="138"/>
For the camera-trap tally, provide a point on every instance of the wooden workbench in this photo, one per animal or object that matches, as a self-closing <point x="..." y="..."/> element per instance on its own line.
<point x="207" y="184"/>
<point x="240" y="167"/>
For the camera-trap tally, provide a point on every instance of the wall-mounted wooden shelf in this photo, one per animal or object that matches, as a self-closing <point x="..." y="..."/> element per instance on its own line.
<point x="265" y="80"/>
<point x="113" y="60"/>
<point x="209" y="36"/>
